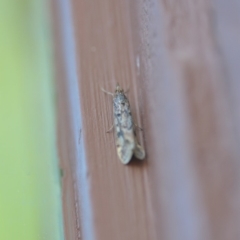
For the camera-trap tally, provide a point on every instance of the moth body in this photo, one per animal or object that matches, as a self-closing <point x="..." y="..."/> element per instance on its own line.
<point x="125" y="135"/>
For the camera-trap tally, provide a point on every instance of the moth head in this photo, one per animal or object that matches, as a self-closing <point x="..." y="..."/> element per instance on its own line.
<point x="118" y="89"/>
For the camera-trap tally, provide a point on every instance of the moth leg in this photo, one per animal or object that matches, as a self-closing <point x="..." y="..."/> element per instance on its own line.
<point x="138" y="127"/>
<point x="109" y="93"/>
<point x="110" y="129"/>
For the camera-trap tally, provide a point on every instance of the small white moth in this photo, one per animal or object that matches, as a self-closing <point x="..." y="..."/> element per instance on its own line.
<point x="124" y="126"/>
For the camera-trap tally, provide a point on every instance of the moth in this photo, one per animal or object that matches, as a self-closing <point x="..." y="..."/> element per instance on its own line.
<point x="125" y="128"/>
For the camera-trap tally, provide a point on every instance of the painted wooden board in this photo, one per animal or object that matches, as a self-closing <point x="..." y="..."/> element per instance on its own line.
<point x="181" y="62"/>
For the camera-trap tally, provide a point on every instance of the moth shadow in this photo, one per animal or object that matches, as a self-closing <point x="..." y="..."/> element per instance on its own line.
<point x="137" y="163"/>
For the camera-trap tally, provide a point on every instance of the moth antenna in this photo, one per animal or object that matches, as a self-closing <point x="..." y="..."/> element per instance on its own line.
<point x="109" y="93"/>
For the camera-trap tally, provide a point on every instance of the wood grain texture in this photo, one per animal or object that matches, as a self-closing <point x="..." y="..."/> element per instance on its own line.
<point x="181" y="62"/>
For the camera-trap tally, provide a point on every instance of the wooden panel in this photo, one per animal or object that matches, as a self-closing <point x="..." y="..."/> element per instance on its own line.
<point x="180" y="60"/>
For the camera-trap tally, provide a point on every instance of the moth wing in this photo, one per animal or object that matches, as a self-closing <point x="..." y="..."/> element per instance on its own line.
<point x="139" y="152"/>
<point x="125" y="150"/>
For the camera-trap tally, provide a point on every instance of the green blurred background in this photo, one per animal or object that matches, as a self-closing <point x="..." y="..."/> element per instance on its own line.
<point x="30" y="194"/>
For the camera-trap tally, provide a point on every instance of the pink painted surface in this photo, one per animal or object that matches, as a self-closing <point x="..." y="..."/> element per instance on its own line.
<point x="180" y="60"/>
